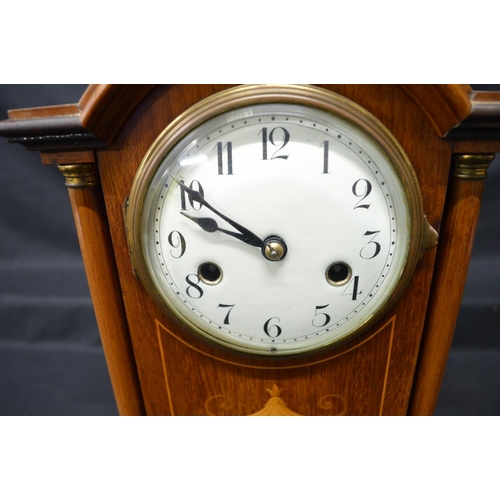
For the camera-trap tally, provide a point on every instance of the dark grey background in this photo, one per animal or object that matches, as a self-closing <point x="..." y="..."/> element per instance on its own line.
<point x="51" y="360"/>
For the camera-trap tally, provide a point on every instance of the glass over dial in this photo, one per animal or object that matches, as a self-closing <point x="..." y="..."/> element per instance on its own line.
<point x="274" y="228"/>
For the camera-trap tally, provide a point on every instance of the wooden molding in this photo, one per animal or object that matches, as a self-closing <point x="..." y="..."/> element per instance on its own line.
<point x="483" y="121"/>
<point x="455" y="112"/>
<point x="63" y="110"/>
<point x="104" y="108"/>
<point x="92" y="123"/>
<point x="67" y="157"/>
<point x="445" y="105"/>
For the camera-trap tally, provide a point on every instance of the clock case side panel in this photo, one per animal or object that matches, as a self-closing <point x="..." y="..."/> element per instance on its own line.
<point x="413" y="122"/>
<point x="470" y="125"/>
<point x="475" y="139"/>
<point x="97" y="252"/>
<point x="457" y="239"/>
<point x="118" y="166"/>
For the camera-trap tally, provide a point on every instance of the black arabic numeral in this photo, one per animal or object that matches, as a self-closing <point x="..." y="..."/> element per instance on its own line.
<point x="183" y="198"/>
<point x="355" y="288"/>
<point x="176" y="240"/>
<point x="220" y="158"/>
<point x="372" y="243"/>
<point x="196" y="186"/>
<point x="325" y="146"/>
<point x="195" y="286"/>
<point x="264" y="143"/>
<point x="361" y="188"/>
<point x="226" y="319"/>
<point x="272" y="331"/>
<point x="280" y="143"/>
<point x="316" y="314"/>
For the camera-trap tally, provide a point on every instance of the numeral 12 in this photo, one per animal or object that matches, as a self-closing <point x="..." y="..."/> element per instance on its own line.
<point x="275" y="142"/>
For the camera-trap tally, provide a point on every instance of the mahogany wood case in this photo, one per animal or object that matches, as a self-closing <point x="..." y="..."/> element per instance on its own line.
<point x="450" y="135"/>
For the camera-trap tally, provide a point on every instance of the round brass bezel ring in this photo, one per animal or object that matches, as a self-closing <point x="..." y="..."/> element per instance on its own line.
<point x="250" y="95"/>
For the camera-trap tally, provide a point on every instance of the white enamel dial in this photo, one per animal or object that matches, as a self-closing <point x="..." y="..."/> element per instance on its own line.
<point x="274" y="229"/>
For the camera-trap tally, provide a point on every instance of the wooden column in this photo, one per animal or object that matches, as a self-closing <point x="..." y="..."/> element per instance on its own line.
<point x="455" y="248"/>
<point x="82" y="180"/>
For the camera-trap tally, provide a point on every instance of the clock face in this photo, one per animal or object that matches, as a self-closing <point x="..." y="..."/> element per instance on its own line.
<point x="275" y="228"/>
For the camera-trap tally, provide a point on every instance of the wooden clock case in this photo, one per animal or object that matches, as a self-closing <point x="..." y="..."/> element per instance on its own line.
<point x="450" y="134"/>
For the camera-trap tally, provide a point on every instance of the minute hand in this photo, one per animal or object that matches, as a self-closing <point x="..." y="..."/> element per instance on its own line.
<point x="247" y="235"/>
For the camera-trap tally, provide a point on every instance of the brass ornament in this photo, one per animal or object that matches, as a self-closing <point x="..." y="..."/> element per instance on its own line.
<point x="471" y="167"/>
<point x="83" y="175"/>
<point x="431" y="236"/>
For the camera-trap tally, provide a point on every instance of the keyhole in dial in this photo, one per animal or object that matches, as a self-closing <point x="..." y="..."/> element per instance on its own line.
<point x="210" y="273"/>
<point x="338" y="273"/>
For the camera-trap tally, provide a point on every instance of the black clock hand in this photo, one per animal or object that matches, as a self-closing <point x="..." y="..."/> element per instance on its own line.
<point x="210" y="225"/>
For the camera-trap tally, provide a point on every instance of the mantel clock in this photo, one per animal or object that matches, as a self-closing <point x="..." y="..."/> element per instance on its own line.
<point x="272" y="249"/>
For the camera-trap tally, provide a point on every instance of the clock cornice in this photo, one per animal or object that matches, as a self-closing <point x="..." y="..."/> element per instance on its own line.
<point x="455" y="112"/>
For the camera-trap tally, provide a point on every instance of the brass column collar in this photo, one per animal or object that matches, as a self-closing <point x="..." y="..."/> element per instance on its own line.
<point x="81" y="175"/>
<point x="471" y="167"/>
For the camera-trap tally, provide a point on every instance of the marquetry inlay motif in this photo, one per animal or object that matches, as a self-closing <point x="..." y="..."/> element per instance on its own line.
<point x="275" y="407"/>
<point x="290" y="386"/>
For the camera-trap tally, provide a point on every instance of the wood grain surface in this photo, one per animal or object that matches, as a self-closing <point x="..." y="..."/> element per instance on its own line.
<point x="158" y="368"/>
<point x="179" y="373"/>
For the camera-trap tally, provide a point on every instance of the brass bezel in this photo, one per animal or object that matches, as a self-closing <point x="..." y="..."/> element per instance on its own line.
<point x="249" y="95"/>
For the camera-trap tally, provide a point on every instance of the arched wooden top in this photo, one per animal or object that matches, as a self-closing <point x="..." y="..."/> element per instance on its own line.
<point x="105" y="107"/>
<point x="445" y="105"/>
<point x="452" y="110"/>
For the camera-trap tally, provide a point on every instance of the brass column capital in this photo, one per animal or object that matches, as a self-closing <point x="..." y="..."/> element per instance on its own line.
<point x="82" y="175"/>
<point x="471" y="167"/>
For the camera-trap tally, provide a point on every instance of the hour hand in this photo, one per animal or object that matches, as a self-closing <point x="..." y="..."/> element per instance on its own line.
<point x="244" y="234"/>
<point x="210" y="226"/>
